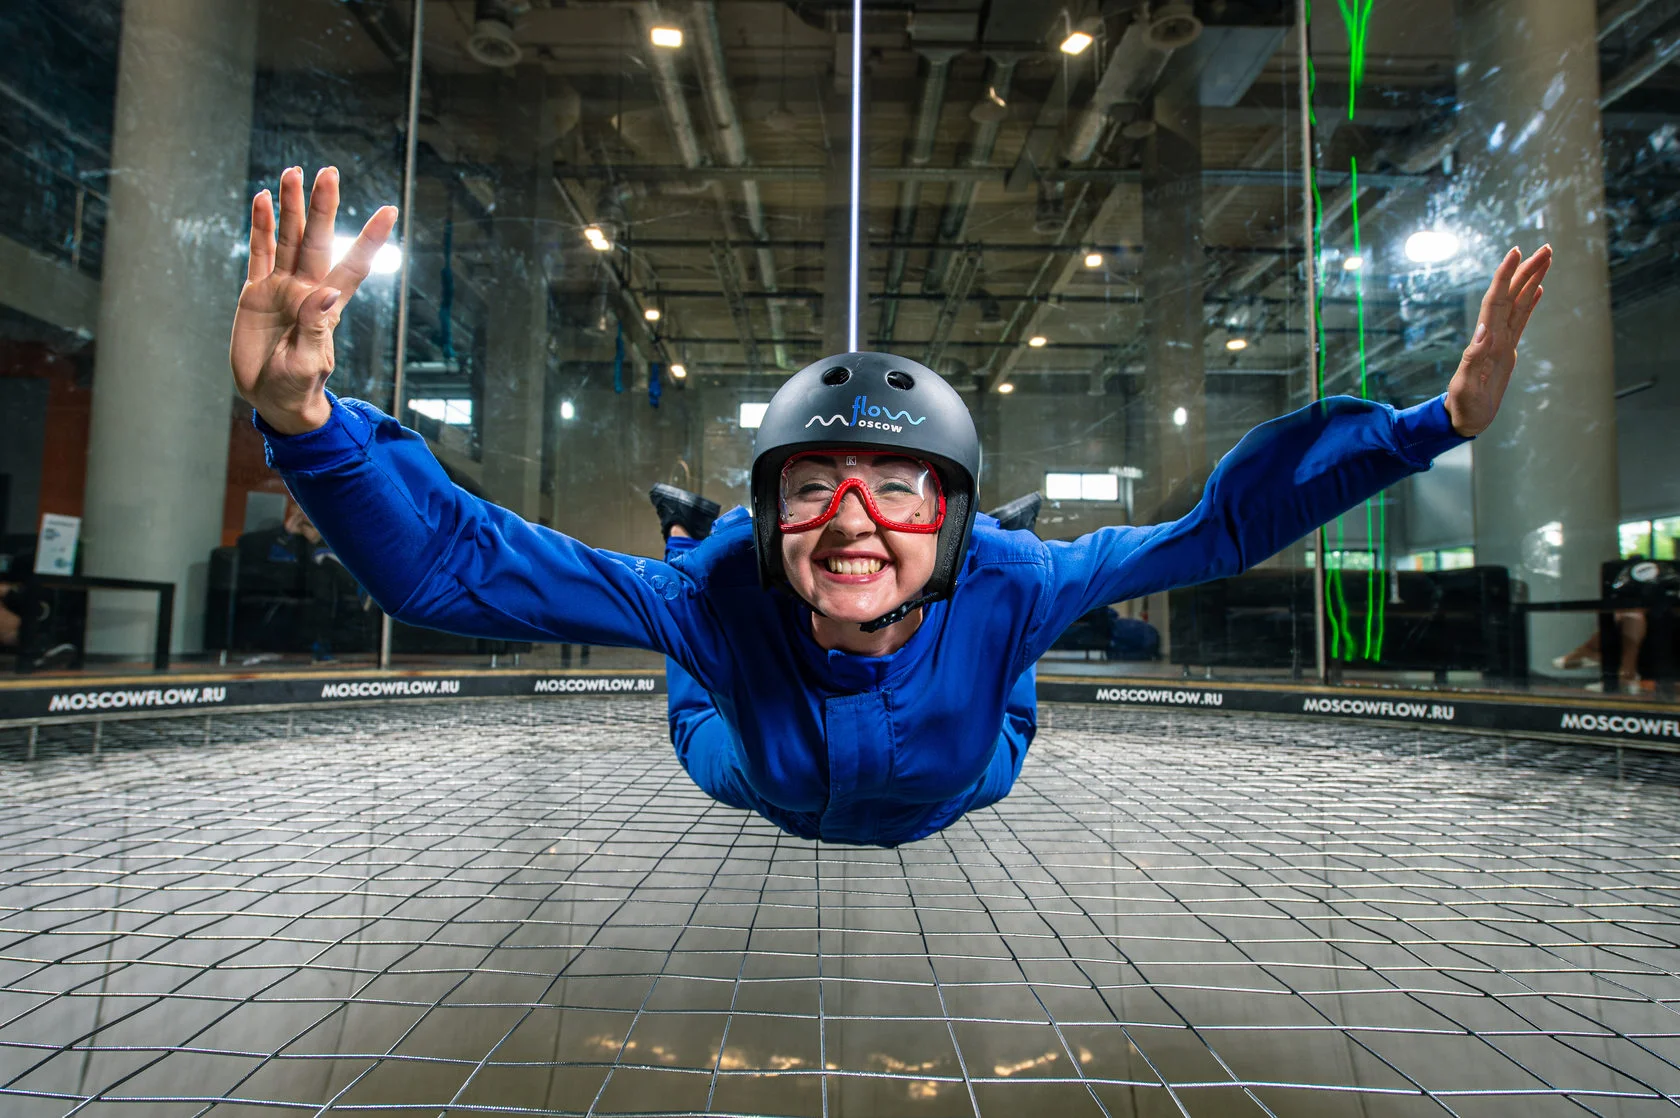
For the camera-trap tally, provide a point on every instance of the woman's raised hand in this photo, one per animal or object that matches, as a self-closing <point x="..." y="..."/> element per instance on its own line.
<point x="1475" y="391"/>
<point x="282" y="348"/>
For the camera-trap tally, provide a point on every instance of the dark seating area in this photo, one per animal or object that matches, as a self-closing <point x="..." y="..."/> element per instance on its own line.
<point x="1438" y="621"/>
<point x="275" y="592"/>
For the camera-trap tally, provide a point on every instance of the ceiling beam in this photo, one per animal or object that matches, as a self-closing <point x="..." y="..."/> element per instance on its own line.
<point x="1212" y="176"/>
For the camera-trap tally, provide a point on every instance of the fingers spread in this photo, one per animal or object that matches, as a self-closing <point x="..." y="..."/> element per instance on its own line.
<point x="348" y="274"/>
<point x="1533" y="268"/>
<point x="260" y="262"/>
<point x="291" y="219"/>
<point x="1499" y="290"/>
<point x="315" y="256"/>
<point x="1519" y="321"/>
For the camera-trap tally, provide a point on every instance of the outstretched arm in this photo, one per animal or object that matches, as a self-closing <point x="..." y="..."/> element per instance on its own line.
<point x="1291" y="475"/>
<point x="428" y="552"/>
<point x="432" y="554"/>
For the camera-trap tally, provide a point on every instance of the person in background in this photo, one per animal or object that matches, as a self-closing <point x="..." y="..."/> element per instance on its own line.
<point x="13" y="604"/>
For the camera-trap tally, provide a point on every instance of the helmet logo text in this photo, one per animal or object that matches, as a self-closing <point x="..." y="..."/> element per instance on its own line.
<point x="865" y="414"/>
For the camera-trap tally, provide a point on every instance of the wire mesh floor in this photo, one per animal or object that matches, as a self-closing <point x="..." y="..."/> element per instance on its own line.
<point x="524" y="907"/>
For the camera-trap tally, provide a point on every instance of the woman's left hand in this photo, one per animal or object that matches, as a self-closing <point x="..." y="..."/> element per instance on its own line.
<point x="1479" y="385"/>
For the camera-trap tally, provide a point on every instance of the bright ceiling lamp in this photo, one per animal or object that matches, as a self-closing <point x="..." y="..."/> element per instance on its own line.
<point x="598" y="240"/>
<point x="1180" y="417"/>
<point x="567" y="411"/>
<point x="1038" y="341"/>
<point x="1005" y="388"/>
<point x="679" y="370"/>
<point x="1431" y="246"/>
<point x="1353" y="263"/>
<point x="1076" y="43"/>
<point x="651" y="314"/>
<point x="1236" y="345"/>
<point x="668" y="37"/>
<point x="1093" y="259"/>
<point x="387" y="260"/>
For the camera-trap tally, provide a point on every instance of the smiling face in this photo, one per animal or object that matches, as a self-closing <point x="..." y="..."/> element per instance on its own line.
<point x="851" y="568"/>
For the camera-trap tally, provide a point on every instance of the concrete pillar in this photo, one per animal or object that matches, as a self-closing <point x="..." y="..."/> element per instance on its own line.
<point x="1545" y="473"/>
<point x="1172" y="299"/>
<point x="1176" y="464"/>
<point x="517" y="364"/>
<point x="157" y="462"/>
<point x="839" y="253"/>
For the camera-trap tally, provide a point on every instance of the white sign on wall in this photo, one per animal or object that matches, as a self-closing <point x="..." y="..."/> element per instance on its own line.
<point x="55" y="548"/>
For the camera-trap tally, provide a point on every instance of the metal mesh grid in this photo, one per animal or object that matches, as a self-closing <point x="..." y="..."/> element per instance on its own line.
<point x="524" y="907"/>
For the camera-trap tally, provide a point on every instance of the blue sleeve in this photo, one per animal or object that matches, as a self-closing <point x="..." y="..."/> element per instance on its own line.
<point x="433" y="555"/>
<point x="1283" y="479"/>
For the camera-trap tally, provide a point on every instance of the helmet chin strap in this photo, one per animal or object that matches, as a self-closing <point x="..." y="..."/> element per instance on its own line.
<point x="894" y="617"/>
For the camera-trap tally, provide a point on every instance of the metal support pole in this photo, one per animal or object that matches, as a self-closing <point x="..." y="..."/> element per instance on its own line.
<point x="1309" y="225"/>
<point x="400" y="350"/>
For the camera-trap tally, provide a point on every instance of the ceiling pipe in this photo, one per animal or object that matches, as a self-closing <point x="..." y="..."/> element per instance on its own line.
<point x="1132" y="71"/>
<point x="982" y="139"/>
<point x="1619" y="13"/>
<point x="669" y="89"/>
<point x="732" y="145"/>
<point x="910" y="190"/>
<point x="1637" y="72"/>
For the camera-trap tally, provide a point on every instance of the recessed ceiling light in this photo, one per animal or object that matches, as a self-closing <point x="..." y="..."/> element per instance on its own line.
<point x="1353" y="263"/>
<point x="668" y="37"/>
<point x="1093" y="259"/>
<point x="1180" y="417"/>
<point x="1076" y="43"/>
<point x="597" y="239"/>
<point x="1236" y="345"/>
<point x="1005" y="388"/>
<point x="651" y="314"/>
<point x="567" y="411"/>
<point x="679" y="370"/>
<point x="1037" y="341"/>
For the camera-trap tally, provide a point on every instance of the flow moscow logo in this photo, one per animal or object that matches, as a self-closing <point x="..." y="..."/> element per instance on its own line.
<point x="865" y="414"/>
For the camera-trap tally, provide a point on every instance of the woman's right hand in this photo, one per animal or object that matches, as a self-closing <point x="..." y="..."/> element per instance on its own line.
<point x="282" y="348"/>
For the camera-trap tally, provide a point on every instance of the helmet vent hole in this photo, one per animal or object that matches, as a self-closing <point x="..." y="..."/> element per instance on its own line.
<point x="899" y="380"/>
<point x="836" y="377"/>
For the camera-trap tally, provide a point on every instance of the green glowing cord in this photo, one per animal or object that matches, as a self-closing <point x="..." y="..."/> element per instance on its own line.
<point x="1335" y="600"/>
<point x="1356" y="14"/>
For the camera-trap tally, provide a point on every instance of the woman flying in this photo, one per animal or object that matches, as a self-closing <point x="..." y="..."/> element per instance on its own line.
<point x="854" y="659"/>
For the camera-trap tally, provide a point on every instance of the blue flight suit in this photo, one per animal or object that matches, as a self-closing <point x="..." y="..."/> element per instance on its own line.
<point x="826" y="744"/>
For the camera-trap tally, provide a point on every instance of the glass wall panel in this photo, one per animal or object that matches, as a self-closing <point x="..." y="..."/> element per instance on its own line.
<point x="1445" y="135"/>
<point x="1101" y="248"/>
<point x="132" y="137"/>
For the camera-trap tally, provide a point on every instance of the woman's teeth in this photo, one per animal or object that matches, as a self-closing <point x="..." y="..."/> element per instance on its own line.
<point x="853" y="566"/>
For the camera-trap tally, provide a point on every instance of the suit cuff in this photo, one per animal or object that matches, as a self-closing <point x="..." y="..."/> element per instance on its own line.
<point x="1425" y="432"/>
<point x="343" y="438"/>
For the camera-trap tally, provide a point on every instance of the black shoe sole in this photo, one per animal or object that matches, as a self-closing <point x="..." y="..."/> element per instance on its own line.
<point x="691" y="511"/>
<point x="1019" y="514"/>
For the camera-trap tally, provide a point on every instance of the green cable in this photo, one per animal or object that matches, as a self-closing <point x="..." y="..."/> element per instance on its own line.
<point x="1333" y="592"/>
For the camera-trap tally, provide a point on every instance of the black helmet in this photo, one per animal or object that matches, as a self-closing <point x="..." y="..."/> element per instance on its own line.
<point x="879" y="402"/>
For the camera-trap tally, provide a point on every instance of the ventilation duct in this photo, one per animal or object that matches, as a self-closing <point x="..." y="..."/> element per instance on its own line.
<point x="492" y="42"/>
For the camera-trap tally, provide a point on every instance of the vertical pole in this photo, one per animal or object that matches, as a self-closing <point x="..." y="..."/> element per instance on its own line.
<point x="857" y="178"/>
<point x="400" y="350"/>
<point x="1303" y="17"/>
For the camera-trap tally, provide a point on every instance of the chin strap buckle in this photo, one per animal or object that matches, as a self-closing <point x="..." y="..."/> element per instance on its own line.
<point x="895" y="616"/>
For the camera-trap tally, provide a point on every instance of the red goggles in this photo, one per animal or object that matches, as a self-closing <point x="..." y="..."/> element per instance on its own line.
<point x="899" y="493"/>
